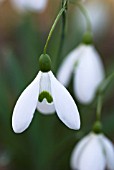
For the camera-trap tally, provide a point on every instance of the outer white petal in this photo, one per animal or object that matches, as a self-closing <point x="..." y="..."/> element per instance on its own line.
<point x="92" y="157"/>
<point x="66" y="69"/>
<point x="38" y="5"/>
<point x="25" y="106"/>
<point x="77" y="152"/>
<point x="88" y="75"/>
<point x="109" y="151"/>
<point x="64" y="104"/>
<point x="45" y="107"/>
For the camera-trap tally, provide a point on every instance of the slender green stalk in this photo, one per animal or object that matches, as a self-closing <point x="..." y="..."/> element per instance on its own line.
<point x="62" y="32"/>
<point x="54" y="25"/>
<point x="104" y="85"/>
<point x="63" y="25"/>
<point x="85" y="13"/>
<point x="97" y="126"/>
<point x="99" y="107"/>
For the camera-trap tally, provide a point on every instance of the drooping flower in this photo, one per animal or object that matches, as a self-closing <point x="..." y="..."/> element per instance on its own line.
<point x="95" y="151"/>
<point x="47" y="95"/>
<point x="85" y="63"/>
<point x="32" y="5"/>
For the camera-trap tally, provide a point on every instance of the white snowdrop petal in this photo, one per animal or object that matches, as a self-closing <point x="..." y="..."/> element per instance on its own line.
<point x="38" y="5"/>
<point x="64" y="104"/>
<point x="25" y="106"/>
<point x="77" y="152"/>
<point x="67" y="67"/>
<point x="45" y="83"/>
<point x="109" y="151"/>
<point x="45" y="107"/>
<point x="88" y="75"/>
<point x="92" y="155"/>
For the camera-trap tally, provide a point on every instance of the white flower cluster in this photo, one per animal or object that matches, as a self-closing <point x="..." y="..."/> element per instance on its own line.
<point x="88" y="73"/>
<point x="46" y="94"/>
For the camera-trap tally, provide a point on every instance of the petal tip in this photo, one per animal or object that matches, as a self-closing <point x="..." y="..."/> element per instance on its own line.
<point x="77" y="126"/>
<point x="16" y="128"/>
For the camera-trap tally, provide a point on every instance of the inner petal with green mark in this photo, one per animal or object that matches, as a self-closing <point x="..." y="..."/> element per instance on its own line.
<point x="45" y="100"/>
<point x="45" y="95"/>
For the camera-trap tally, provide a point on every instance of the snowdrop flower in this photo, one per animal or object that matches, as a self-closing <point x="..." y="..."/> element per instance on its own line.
<point x="93" y="152"/>
<point x="47" y="95"/>
<point x="88" y="70"/>
<point x="33" y="5"/>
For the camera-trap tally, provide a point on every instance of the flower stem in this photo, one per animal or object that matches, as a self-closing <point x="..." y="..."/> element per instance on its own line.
<point x="104" y="85"/>
<point x="99" y="107"/>
<point x="86" y="15"/>
<point x="97" y="126"/>
<point x="62" y="33"/>
<point x="102" y="88"/>
<point x="54" y="25"/>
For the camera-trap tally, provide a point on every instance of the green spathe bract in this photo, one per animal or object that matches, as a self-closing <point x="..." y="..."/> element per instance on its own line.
<point x="45" y="63"/>
<point x="45" y="95"/>
<point x="97" y="128"/>
<point x="87" y="38"/>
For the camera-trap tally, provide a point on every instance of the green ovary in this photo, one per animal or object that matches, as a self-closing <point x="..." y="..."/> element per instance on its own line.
<point x="45" y="95"/>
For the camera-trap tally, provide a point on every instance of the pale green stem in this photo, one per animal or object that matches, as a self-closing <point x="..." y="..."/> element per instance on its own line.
<point x="86" y="15"/>
<point x="62" y="33"/>
<point x="99" y="107"/>
<point x="54" y="25"/>
<point x="104" y="85"/>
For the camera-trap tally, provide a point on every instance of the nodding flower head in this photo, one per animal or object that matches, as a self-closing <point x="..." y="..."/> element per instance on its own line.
<point x="48" y="95"/>
<point x="85" y="64"/>
<point x="95" y="151"/>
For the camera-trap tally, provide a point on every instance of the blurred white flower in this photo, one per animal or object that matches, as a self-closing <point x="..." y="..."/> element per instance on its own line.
<point x="88" y="70"/>
<point x="93" y="152"/>
<point x="32" y="5"/>
<point x="47" y="95"/>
